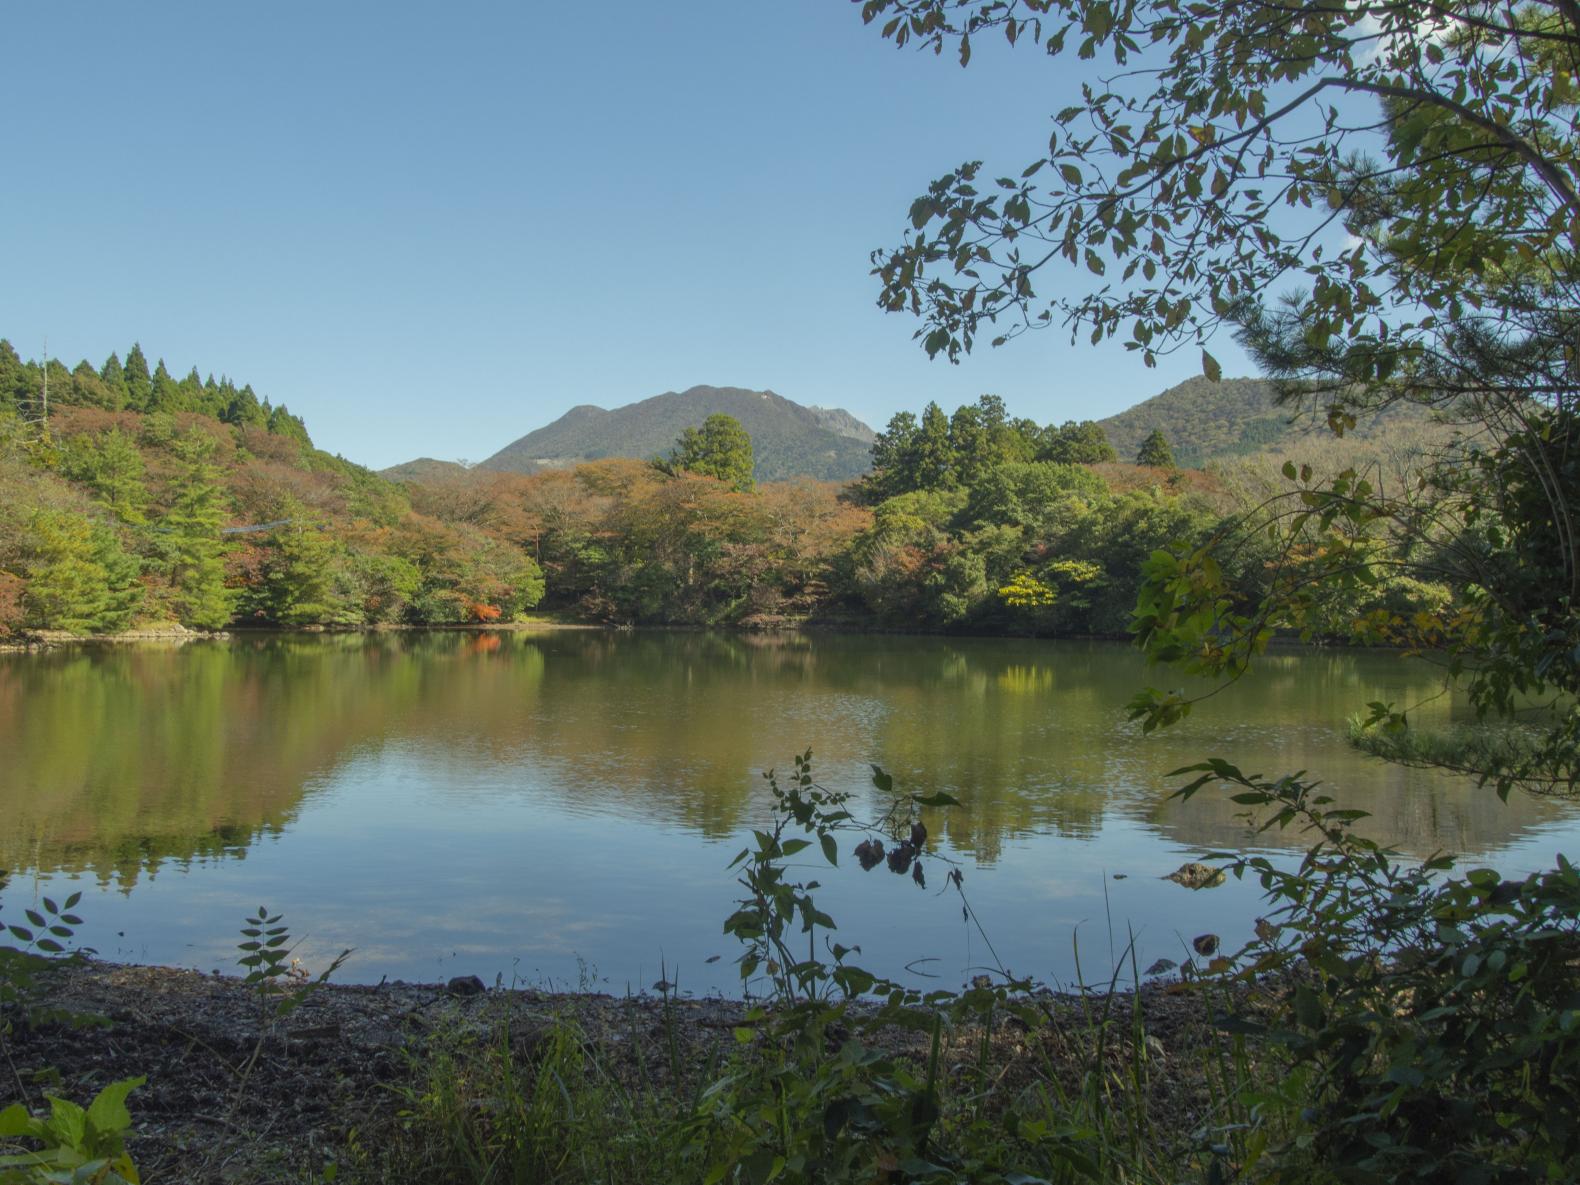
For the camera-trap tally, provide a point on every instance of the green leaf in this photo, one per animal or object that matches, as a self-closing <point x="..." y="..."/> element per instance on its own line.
<point x="830" y="848"/>
<point x="1210" y="367"/>
<point x="68" y="1123"/>
<point x="15" y="1121"/>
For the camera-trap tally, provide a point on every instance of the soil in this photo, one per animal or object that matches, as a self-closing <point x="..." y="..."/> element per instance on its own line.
<point x="233" y="1095"/>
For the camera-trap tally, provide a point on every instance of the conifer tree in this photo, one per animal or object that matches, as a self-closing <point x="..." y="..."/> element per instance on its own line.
<point x="167" y="394"/>
<point x="933" y="457"/>
<point x="191" y="392"/>
<point x="114" y="379"/>
<point x="139" y="384"/>
<point x="1155" y="451"/>
<point x="299" y="583"/>
<point x="79" y="579"/>
<point x="283" y="423"/>
<point x="13" y="378"/>
<point x="116" y="474"/>
<point x="242" y="408"/>
<point x="189" y="537"/>
<point x="88" y="389"/>
<point x="125" y="592"/>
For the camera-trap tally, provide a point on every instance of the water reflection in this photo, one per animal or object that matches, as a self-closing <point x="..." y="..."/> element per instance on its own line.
<point x="363" y="750"/>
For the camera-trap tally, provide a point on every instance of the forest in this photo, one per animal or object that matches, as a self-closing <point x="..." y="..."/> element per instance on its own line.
<point x="143" y="499"/>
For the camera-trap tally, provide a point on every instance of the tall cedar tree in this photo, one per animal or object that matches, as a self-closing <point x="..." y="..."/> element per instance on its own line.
<point x="189" y="536"/>
<point x="1155" y="451"/>
<point x="139" y="384"/>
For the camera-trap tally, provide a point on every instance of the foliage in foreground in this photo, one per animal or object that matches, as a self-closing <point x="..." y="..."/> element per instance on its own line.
<point x="833" y="1076"/>
<point x="1432" y="1022"/>
<point x="79" y="1145"/>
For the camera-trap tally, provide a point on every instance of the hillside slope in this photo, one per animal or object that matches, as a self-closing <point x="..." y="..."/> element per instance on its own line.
<point x="1206" y="421"/>
<point x="788" y="440"/>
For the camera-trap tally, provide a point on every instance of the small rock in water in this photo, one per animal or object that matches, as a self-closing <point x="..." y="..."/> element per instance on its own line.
<point x="1196" y="876"/>
<point x="465" y="985"/>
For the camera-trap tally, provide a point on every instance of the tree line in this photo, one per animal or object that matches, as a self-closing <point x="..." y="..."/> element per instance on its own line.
<point x="198" y="503"/>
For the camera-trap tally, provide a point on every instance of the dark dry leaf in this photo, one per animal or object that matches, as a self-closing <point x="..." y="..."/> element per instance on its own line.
<point x="900" y="857"/>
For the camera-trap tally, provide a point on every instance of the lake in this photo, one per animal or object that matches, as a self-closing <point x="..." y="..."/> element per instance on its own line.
<point x="559" y="808"/>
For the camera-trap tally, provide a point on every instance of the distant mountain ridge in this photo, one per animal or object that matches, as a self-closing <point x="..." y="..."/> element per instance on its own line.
<point x="788" y="439"/>
<point x="1203" y="421"/>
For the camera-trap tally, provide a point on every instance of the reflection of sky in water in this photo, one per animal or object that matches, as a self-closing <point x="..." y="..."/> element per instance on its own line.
<point x="446" y="809"/>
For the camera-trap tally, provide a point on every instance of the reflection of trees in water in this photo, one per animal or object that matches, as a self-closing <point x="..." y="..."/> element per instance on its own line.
<point x="1417" y="811"/>
<point x="119" y="759"/>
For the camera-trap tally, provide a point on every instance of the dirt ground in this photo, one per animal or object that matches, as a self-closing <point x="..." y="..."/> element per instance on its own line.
<point x="233" y="1095"/>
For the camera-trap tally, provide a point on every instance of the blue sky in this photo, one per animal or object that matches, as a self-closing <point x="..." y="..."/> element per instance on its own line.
<point x="429" y="230"/>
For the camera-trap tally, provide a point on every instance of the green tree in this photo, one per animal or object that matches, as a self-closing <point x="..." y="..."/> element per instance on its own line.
<point x="933" y="457"/>
<point x="1155" y="451"/>
<point x="13" y="379"/>
<point x="1072" y="443"/>
<point x="79" y="579"/>
<point x="242" y="408"/>
<point x="113" y="467"/>
<point x="114" y="379"/>
<point x="188" y="535"/>
<point x="300" y="585"/>
<point x="88" y="389"/>
<point x="166" y="393"/>
<point x="139" y="383"/>
<point x="386" y="586"/>
<point x="282" y="423"/>
<point x="893" y="452"/>
<point x="721" y="448"/>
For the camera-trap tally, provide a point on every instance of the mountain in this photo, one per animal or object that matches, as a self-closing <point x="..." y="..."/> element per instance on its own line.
<point x="1207" y="421"/>
<point x="788" y="440"/>
<point x="423" y="469"/>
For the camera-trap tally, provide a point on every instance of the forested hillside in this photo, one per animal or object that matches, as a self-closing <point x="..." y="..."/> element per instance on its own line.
<point x="144" y="499"/>
<point x="1205" y="421"/>
<point x="789" y="440"/>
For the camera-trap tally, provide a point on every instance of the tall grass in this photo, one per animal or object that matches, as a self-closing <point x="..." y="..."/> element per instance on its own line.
<point x="986" y="1085"/>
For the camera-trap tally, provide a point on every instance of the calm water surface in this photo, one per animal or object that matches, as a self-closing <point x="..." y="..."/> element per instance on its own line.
<point x="561" y="807"/>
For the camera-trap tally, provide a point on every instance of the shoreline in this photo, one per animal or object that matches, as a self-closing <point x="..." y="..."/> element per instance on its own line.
<point x="232" y="1094"/>
<point x="42" y="641"/>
